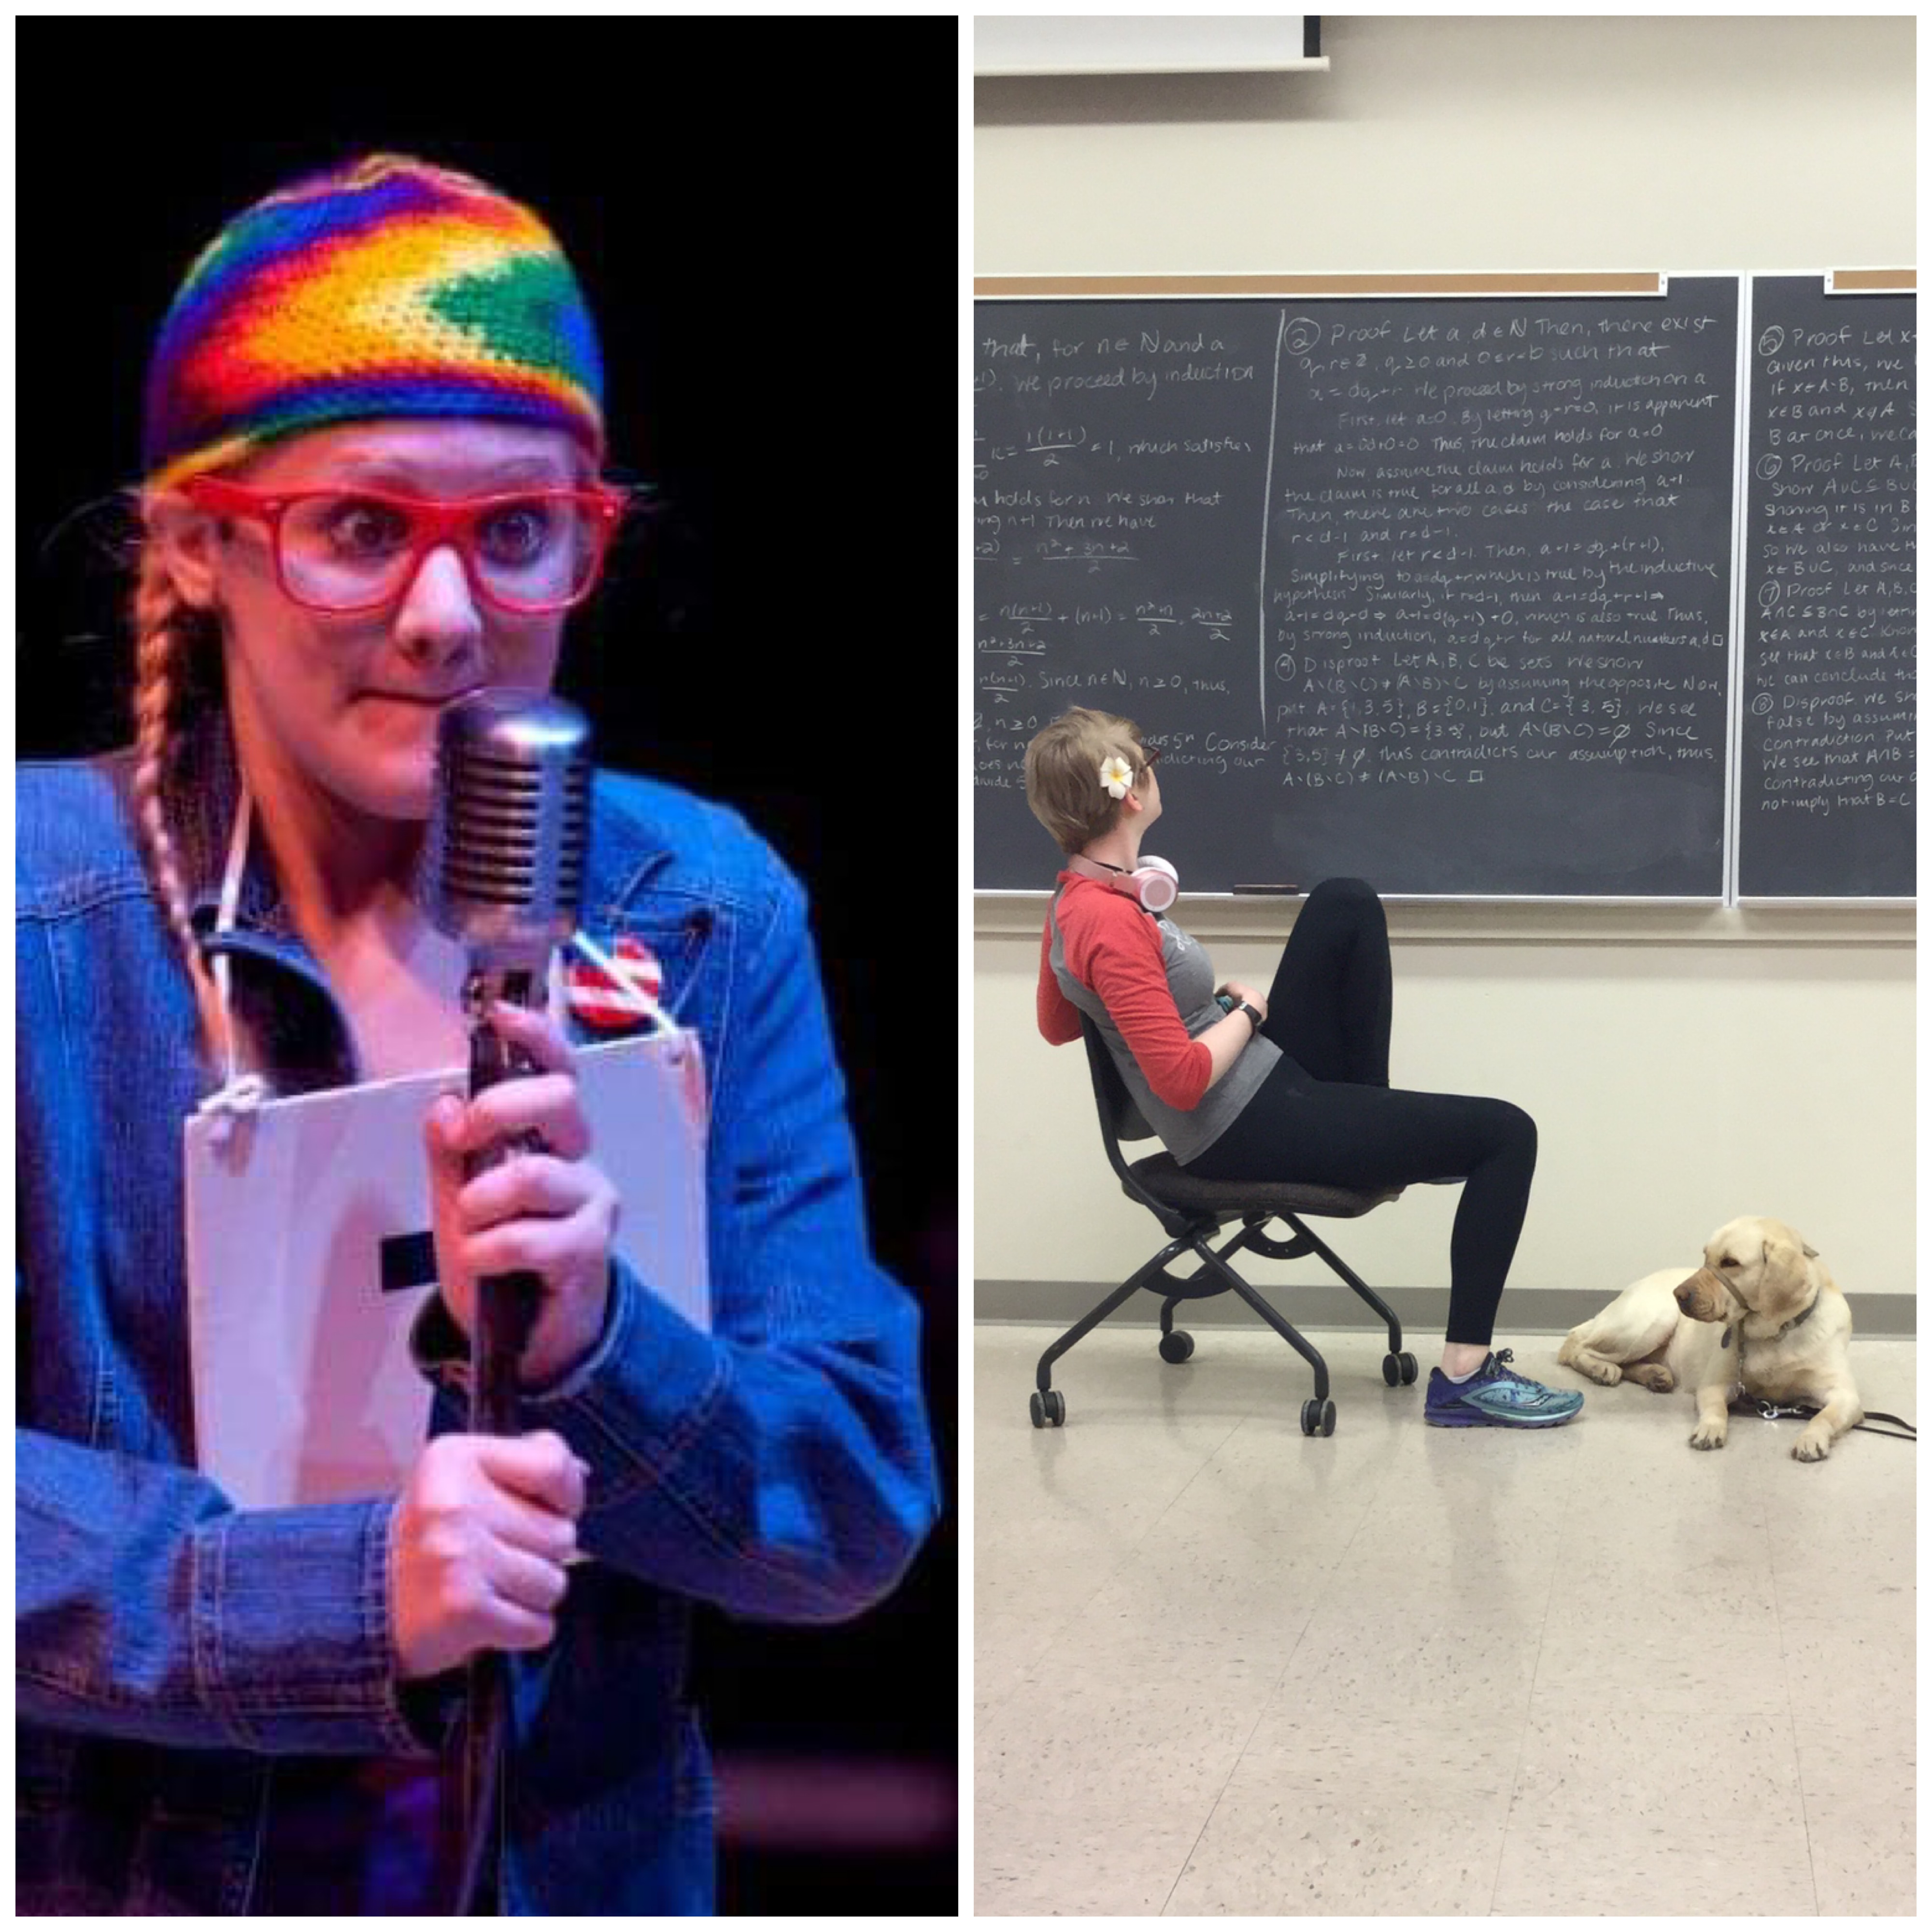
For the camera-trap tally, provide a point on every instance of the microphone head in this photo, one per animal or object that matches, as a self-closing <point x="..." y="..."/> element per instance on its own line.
<point x="511" y="823"/>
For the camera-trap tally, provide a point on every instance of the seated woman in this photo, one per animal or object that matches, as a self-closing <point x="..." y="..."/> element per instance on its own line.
<point x="1292" y="1085"/>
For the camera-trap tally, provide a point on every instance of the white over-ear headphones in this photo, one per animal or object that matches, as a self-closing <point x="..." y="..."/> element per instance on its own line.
<point x="1154" y="882"/>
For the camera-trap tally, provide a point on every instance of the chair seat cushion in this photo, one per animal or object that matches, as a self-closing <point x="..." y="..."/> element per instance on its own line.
<point x="1163" y="1177"/>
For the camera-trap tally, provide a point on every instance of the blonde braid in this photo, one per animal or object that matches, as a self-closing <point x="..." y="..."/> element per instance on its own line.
<point x="166" y="632"/>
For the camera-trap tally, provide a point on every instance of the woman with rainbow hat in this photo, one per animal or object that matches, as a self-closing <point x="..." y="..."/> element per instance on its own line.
<point x="374" y="440"/>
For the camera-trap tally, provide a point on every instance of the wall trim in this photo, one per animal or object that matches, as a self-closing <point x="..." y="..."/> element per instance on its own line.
<point x="1521" y="922"/>
<point x="1421" y="1311"/>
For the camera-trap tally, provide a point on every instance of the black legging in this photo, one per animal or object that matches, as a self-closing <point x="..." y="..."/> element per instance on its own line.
<point x="1327" y="1114"/>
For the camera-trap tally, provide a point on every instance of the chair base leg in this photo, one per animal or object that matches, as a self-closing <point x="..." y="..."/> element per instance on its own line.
<point x="1288" y="1334"/>
<point x="1214" y="1262"/>
<point x="1307" y="1241"/>
<point x="1043" y="1374"/>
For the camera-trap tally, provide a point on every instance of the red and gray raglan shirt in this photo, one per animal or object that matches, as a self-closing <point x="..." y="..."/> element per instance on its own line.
<point x="1150" y="988"/>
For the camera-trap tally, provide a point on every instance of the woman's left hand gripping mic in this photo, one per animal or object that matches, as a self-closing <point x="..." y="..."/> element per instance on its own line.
<point x="513" y="1192"/>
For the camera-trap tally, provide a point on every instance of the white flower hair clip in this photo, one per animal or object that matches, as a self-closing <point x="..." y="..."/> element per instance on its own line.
<point x="1116" y="775"/>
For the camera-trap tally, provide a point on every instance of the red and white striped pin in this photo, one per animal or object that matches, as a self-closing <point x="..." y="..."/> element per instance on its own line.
<point x="597" y="999"/>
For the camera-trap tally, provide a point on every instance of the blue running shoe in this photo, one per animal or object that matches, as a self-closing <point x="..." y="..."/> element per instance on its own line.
<point x="1495" y="1397"/>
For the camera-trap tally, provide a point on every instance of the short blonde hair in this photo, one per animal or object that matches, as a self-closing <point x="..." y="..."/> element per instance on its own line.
<point x="1063" y="774"/>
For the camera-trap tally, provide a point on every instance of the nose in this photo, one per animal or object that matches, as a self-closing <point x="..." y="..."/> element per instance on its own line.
<point x="1702" y="1296"/>
<point x="438" y="618"/>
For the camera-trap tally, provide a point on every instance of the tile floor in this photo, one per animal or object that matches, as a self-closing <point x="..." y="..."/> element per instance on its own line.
<point x="1221" y="1667"/>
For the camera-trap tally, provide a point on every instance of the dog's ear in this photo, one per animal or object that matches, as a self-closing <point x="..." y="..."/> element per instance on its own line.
<point x="1782" y="1258"/>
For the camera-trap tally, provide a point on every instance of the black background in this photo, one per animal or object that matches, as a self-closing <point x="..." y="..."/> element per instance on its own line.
<point x="762" y="213"/>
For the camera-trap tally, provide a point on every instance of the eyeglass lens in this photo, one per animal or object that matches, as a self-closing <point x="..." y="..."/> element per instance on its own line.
<point x="347" y="552"/>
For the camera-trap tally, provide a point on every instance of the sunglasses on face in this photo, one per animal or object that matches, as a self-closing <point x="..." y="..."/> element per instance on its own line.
<point x="340" y="551"/>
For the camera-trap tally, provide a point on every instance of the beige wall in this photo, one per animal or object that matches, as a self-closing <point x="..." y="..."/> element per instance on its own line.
<point x="1682" y="1067"/>
<point x="1507" y="141"/>
<point x="1676" y="1080"/>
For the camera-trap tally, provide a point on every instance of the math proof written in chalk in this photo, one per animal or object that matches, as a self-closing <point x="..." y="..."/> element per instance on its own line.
<point x="1441" y="592"/>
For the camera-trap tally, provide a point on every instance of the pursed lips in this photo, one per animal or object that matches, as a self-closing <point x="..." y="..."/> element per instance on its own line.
<point x="420" y="700"/>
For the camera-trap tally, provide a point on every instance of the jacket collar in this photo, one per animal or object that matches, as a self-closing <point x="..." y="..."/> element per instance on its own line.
<point x="203" y="795"/>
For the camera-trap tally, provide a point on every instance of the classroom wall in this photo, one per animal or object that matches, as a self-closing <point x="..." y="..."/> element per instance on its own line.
<point x="1682" y="1066"/>
<point x="1502" y="142"/>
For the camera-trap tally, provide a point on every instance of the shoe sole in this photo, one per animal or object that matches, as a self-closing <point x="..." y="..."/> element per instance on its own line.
<point x="1479" y="1421"/>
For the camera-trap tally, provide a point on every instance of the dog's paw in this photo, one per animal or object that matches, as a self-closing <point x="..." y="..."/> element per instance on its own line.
<point x="1709" y="1435"/>
<point x="1810" y="1448"/>
<point x="1652" y="1375"/>
<point x="1609" y="1373"/>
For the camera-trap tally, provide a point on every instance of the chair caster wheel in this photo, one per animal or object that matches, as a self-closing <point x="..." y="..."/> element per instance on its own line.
<point x="1176" y="1345"/>
<point x="1398" y="1369"/>
<point x="1049" y="1407"/>
<point x="1408" y="1370"/>
<point x="1318" y="1418"/>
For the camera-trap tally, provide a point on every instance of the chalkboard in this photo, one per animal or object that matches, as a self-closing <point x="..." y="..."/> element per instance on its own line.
<point x="1434" y="592"/>
<point x="1826" y="801"/>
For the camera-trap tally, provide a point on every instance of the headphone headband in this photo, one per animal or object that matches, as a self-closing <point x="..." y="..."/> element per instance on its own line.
<point x="1154" y="882"/>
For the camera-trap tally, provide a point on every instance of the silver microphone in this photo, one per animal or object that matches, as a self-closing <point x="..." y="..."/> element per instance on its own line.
<point x="511" y="820"/>
<point x="505" y="871"/>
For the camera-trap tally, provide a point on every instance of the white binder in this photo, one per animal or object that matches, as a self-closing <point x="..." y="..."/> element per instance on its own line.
<point x="301" y="1211"/>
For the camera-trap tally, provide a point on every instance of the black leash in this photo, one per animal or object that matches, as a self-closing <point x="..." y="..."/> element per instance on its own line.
<point x="1772" y="1411"/>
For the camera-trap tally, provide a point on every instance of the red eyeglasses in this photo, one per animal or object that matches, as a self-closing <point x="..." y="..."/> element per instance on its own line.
<point x="341" y="551"/>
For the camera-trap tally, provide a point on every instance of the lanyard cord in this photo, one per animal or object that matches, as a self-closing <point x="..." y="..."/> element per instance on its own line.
<point x="239" y="1093"/>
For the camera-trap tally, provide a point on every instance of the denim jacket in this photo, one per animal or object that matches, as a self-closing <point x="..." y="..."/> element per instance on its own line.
<point x="169" y="1647"/>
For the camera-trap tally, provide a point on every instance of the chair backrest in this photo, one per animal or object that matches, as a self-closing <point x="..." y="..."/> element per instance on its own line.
<point x="1121" y="1117"/>
<point x="1122" y="1120"/>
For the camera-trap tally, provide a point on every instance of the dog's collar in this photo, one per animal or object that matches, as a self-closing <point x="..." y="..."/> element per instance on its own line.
<point x="1796" y="1321"/>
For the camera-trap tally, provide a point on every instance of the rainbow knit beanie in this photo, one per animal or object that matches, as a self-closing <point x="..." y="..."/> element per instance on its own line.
<point x="386" y="288"/>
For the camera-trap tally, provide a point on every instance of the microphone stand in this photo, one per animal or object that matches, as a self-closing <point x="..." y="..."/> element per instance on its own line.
<point x="506" y="1309"/>
<point x="505" y="854"/>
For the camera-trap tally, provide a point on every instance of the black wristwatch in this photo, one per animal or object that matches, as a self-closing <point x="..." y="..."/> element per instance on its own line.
<point x="1254" y="1018"/>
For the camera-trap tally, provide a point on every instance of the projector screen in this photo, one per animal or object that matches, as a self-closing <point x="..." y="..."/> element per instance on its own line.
<point x="1013" y="44"/>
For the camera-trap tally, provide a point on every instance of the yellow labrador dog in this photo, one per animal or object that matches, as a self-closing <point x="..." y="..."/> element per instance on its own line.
<point x="1763" y="1311"/>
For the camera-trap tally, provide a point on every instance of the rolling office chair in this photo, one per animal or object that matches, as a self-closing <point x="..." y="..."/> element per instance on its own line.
<point x="1193" y="1210"/>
